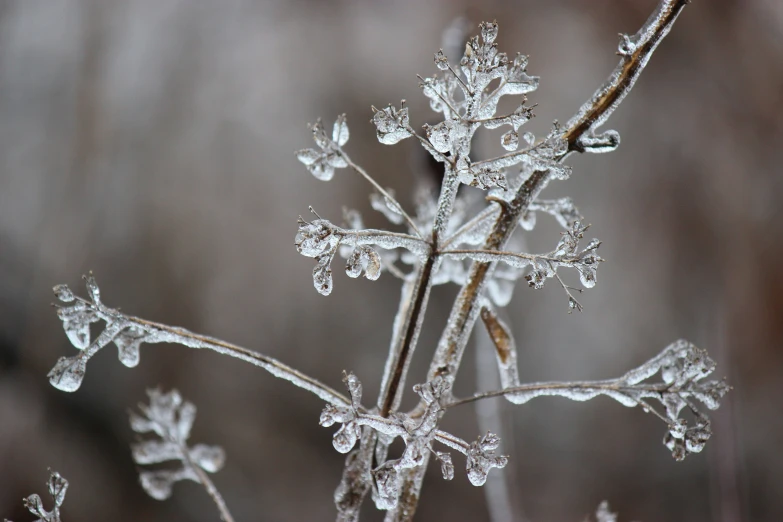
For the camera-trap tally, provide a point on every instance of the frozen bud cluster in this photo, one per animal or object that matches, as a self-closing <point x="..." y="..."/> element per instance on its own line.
<point x="77" y="316"/>
<point x="683" y="368"/>
<point x="323" y="161"/>
<point x="170" y="419"/>
<point x="482" y="458"/>
<point x="392" y="125"/>
<point x="57" y="487"/>
<point x="321" y="240"/>
<point x="418" y="433"/>
<point x="567" y="253"/>
<point x="364" y="259"/>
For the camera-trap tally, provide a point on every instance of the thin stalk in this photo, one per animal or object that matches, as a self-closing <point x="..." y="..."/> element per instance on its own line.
<point x="382" y="191"/>
<point x="212" y="491"/>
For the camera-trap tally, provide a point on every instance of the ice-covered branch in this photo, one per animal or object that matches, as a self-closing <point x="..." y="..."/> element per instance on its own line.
<point x="171" y="419"/>
<point x="682" y="368"/>
<point x="635" y="51"/>
<point x="128" y="333"/>
<point x="57" y="487"/>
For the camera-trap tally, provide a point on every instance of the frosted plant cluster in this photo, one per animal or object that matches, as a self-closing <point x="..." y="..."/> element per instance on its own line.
<point x="467" y="235"/>
<point x="170" y="419"/>
<point x="57" y="487"/>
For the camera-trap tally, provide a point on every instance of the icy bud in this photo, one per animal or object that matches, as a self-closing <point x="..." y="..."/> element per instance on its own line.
<point x="683" y="441"/>
<point x="346" y="437"/>
<point x="441" y="135"/>
<point x="354" y="389"/>
<point x="441" y="62"/>
<point x="482" y="458"/>
<point x="63" y="293"/>
<point x="392" y="125"/>
<point x="322" y="274"/>
<point x="340" y="131"/>
<point x="128" y="343"/>
<point x="364" y="259"/>
<point x="446" y="465"/>
<point x="322" y="163"/>
<point x="316" y="238"/>
<point x="388" y="483"/>
<point x="627" y="45"/>
<point x="68" y="373"/>
<point x="510" y="140"/>
<point x="76" y="321"/>
<point x="489" y="31"/>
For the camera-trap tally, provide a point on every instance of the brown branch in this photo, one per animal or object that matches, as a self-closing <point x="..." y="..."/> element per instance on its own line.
<point x="591" y="115"/>
<point x="608" y="97"/>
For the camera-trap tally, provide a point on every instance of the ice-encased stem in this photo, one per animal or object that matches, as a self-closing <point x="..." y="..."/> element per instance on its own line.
<point x="162" y="333"/>
<point x="592" y="114"/>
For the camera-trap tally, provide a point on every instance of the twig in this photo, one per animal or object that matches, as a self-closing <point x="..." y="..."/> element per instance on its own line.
<point x="382" y="191"/>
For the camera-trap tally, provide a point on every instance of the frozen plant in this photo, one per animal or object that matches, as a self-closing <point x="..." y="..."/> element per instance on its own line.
<point x="453" y="238"/>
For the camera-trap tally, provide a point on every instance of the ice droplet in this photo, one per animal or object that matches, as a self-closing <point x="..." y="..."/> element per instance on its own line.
<point x="68" y="374"/>
<point x="208" y="458"/>
<point x="322" y="275"/>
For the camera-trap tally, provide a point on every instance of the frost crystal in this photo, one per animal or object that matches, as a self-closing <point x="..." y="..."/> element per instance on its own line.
<point x="171" y="419"/>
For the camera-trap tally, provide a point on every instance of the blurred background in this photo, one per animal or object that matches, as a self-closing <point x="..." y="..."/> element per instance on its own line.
<point x="153" y="142"/>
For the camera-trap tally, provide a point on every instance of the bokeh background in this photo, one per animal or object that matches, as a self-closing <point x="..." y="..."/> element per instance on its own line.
<point x="152" y="142"/>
